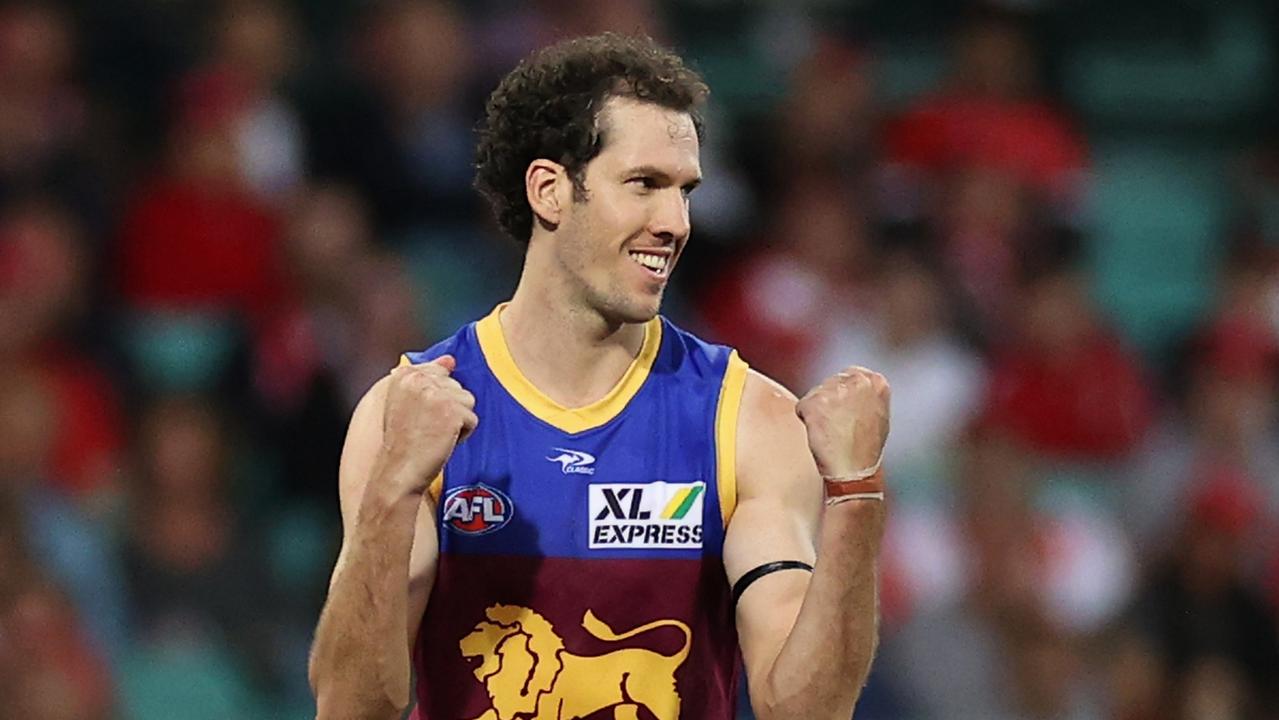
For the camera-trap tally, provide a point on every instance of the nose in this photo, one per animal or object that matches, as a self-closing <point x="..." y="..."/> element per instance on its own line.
<point x="670" y="217"/>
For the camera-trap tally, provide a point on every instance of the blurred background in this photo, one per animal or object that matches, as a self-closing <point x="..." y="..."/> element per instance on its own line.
<point x="1053" y="225"/>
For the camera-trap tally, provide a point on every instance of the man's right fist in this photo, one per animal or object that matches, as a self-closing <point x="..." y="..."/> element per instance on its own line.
<point x="426" y="414"/>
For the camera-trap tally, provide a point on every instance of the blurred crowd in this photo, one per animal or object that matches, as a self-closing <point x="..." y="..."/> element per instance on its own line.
<point x="220" y="222"/>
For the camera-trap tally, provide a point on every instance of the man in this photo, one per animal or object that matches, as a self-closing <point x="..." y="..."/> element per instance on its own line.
<point x="572" y="508"/>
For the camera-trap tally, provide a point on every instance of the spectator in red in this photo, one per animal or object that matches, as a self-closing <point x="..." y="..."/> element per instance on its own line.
<point x="982" y="158"/>
<point x="777" y="306"/>
<point x="984" y="222"/>
<point x="992" y="113"/>
<point x="355" y="305"/>
<point x="43" y="268"/>
<point x="327" y="239"/>
<point x="354" y="312"/>
<point x="1226" y="420"/>
<point x="195" y="239"/>
<point x="1064" y="384"/>
<point x="1244" y="331"/>
<point x="256" y="43"/>
<point x="937" y="382"/>
<point x="1202" y="619"/>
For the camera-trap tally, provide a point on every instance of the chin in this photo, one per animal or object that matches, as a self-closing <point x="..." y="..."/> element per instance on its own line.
<point x="639" y="314"/>
<point x="635" y="310"/>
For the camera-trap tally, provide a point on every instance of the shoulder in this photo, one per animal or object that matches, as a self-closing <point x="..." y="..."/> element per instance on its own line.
<point x="767" y="402"/>
<point x="772" y="441"/>
<point x="363" y="436"/>
<point x="370" y="405"/>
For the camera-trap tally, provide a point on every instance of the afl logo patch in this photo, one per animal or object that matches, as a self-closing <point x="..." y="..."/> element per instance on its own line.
<point x="477" y="510"/>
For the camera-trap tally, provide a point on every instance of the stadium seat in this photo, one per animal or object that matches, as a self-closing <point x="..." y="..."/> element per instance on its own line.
<point x="1158" y="214"/>
<point x="172" y="351"/>
<point x="194" y="683"/>
<point x="1183" y="71"/>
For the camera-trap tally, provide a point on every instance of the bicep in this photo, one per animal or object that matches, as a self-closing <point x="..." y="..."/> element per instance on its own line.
<point x="767" y="611"/>
<point x="779" y="504"/>
<point x="359" y="457"/>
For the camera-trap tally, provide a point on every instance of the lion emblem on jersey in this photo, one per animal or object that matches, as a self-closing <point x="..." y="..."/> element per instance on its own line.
<point x="527" y="673"/>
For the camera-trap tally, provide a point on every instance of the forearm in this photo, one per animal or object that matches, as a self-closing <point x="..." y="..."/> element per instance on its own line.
<point x="360" y="665"/>
<point x="825" y="660"/>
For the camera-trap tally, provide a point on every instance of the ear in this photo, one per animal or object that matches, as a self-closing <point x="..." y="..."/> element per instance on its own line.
<point x="545" y="184"/>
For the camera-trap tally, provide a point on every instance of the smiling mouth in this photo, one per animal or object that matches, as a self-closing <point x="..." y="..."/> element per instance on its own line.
<point x="654" y="263"/>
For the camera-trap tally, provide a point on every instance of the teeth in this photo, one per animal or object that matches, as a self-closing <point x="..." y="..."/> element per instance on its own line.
<point x="650" y="261"/>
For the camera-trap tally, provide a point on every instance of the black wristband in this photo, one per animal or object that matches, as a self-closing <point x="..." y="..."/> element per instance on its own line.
<point x="745" y="581"/>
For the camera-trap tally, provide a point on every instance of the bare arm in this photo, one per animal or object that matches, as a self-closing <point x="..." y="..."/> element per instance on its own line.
<point x="807" y="639"/>
<point x="360" y="661"/>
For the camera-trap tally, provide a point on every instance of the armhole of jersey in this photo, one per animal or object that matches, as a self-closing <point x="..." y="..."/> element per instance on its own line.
<point x="730" y="402"/>
<point x="436" y="487"/>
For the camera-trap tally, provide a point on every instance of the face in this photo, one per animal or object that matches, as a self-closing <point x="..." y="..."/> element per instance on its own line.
<point x="1057" y="315"/>
<point x="184" y="448"/>
<point x="912" y="300"/>
<point x="421" y="53"/>
<point x="996" y="60"/>
<point x="257" y="37"/>
<point x="618" y="246"/>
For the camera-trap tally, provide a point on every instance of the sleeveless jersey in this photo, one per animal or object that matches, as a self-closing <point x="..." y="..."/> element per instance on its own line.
<point x="580" y="572"/>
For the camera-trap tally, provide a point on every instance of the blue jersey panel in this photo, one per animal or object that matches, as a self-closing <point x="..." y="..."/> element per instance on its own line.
<point x="641" y="485"/>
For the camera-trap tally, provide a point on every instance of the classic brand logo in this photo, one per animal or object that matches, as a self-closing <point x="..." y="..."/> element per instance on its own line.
<point x="477" y="510"/>
<point x="573" y="462"/>
<point x="652" y="515"/>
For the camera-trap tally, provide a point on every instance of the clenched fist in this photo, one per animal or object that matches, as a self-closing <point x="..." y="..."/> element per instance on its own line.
<point x="426" y="414"/>
<point x="847" y="421"/>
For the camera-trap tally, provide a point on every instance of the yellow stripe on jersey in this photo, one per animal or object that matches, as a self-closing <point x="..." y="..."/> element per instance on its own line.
<point x="730" y="402"/>
<point x="436" y="487"/>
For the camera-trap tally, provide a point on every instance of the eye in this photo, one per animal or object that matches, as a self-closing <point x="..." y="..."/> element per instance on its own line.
<point x="644" y="181"/>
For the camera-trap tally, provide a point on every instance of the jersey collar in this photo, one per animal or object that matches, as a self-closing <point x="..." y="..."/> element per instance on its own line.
<point x="570" y="420"/>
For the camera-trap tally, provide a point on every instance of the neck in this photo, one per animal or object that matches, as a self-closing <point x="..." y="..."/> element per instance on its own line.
<point x="568" y="350"/>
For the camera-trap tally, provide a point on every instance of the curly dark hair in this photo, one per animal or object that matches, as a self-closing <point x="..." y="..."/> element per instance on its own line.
<point x="549" y="105"/>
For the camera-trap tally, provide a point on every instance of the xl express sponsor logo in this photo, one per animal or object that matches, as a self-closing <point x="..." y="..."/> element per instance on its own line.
<point x="650" y="515"/>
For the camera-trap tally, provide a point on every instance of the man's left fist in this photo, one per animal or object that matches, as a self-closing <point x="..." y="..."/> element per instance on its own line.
<point x="847" y="421"/>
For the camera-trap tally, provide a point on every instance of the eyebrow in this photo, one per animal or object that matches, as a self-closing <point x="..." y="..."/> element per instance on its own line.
<point x="661" y="176"/>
